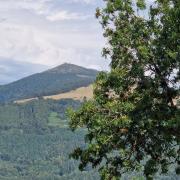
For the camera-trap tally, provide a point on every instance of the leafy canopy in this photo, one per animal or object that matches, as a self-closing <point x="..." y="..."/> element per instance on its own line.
<point x="133" y="122"/>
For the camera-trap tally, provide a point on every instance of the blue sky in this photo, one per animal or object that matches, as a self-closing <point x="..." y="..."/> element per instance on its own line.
<point x="40" y="34"/>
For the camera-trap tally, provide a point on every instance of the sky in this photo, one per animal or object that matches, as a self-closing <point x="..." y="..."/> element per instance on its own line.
<point x="37" y="35"/>
<point x="40" y="34"/>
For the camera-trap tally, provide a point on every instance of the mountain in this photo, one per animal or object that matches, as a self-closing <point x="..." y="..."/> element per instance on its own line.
<point x="60" y="79"/>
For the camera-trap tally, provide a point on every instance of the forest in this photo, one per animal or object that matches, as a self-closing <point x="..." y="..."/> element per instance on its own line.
<point x="36" y="141"/>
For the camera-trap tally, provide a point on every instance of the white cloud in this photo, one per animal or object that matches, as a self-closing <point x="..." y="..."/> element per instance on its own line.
<point x="84" y="1"/>
<point x="33" y="45"/>
<point x="65" y="15"/>
<point x="37" y="6"/>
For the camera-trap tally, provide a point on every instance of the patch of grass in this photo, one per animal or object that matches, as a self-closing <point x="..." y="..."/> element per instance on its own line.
<point x="56" y="121"/>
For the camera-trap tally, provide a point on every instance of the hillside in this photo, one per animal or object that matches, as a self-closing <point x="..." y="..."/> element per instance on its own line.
<point x="61" y="79"/>
<point x="35" y="142"/>
<point x="77" y="94"/>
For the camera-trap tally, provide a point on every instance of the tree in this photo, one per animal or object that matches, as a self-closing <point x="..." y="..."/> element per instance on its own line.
<point x="133" y="122"/>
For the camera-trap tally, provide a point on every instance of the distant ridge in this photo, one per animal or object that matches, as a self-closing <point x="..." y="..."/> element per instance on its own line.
<point x="60" y="79"/>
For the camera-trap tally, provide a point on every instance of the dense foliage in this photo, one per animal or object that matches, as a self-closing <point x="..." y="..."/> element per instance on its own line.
<point x="63" y="78"/>
<point x="134" y="120"/>
<point x="35" y="142"/>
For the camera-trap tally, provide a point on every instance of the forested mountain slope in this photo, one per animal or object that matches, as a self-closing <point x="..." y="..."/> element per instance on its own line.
<point x="35" y="142"/>
<point x="63" y="78"/>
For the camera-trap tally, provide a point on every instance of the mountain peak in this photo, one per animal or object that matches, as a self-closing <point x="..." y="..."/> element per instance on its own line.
<point x="60" y="79"/>
<point x="70" y="68"/>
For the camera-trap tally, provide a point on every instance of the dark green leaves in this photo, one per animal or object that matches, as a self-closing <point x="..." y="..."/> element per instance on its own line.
<point x="133" y="120"/>
<point x="141" y="4"/>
